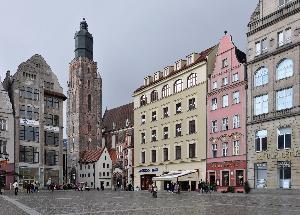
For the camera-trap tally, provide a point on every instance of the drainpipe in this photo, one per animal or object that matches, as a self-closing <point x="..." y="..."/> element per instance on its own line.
<point x="94" y="165"/>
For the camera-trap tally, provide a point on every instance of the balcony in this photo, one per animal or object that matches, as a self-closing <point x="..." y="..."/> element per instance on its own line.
<point x="288" y="10"/>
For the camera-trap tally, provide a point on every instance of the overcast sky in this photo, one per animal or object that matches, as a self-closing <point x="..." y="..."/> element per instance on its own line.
<point x="132" y="38"/>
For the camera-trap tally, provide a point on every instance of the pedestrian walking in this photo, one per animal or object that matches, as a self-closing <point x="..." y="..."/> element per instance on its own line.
<point x="1" y="187"/>
<point x="28" y="188"/>
<point x="16" y="187"/>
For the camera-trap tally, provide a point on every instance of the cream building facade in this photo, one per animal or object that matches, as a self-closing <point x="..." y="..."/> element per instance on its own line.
<point x="170" y="121"/>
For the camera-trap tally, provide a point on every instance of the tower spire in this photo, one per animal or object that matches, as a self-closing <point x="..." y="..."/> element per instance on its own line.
<point x="83" y="42"/>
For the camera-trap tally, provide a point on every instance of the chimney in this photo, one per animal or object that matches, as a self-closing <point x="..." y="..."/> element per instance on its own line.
<point x="148" y="80"/>
<point x="157" y="76"/>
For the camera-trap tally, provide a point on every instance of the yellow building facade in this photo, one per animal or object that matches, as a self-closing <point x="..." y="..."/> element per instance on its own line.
<point x="170" y="122"/>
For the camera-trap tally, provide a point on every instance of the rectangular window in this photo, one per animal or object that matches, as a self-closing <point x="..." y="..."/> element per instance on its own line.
<point x="261" y="140"/>
<point x="143" y="119"/>
<point x="236" y="97"/>
<point x="153" y="152"/>
<point x="284" y="99"/>
<point x="261" y="105"/>
<point x="178" y="130"/>
<point x="225" y="101"/>
<point x="225" y="178"/>
<point x="192" y="127"/>
<point x="225" y="149"/>
<point x="284" y="138"/>
<point x="288" y="35"/>
<point x="264" y="47"/>
<point x="178" y="108"/>
<point x="236" y="121"/>
<point x="166" y="132"/>
<point x="56" y="103"/>
<point x="235" y="77"/>
<point x="23" y="111"/>
<point x="143" y="158"/>
<point x="192" y="104"/>
<point x="225" y="124"/>
<point x="29" y="133"/>
<point x="153" y="116"/>
<point x="36" y="95"/>
<point x="192" y="150"/>
<point x="280" y="39"/>
<point x="143" y="138"/>
<point x="239" y="177"/>
<point x="214" y="104"/>
<point x="236" y="147"/>
<point x="56" y="120"/>
<point x="3" y="125"/>
<point x="225" y="81"/>
<point x="214" y="126"/>
<point x="153" y="136"/>
<point x="257" y="48"/>
<point x="29" y="154"/>
<point x="166" y="154"/>
<point x="214" y="150"/>
<point x="177" y="152"/>
<point x="166" y="112"/>
<point x="215" y="85"/>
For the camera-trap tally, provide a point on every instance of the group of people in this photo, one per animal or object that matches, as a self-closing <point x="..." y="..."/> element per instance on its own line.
<point x="31" y="187"/>
<point x="173" y="187"/>
<point x="206" y="187"/>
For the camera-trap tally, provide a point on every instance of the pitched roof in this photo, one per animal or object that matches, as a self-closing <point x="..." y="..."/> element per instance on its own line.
<point x="113" y="155"/>
<point x="202" y="57"/>
<point x="91" y="156"/>
<point x="118" y="116"/>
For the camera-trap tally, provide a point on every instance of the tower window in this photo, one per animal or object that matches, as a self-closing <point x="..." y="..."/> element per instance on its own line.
<point x="89" y="102"/>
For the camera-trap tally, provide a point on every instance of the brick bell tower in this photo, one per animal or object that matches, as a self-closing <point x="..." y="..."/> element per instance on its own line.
<point x="84" y="108"/>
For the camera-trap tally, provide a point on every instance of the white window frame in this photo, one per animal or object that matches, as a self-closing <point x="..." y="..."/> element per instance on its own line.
<point x="215" y="85"/>
<point x="225" y="102"/>
<point x="224" y="149"/>
<point x="284" y="131"/>
<point x="236" y="121"/>
<point x="260" y="135"/>
<point x="214" y="148"/>
<point x="236" y="97"/>
<point x="214" y="104"/>
<point x="261" y="77"/>
<point x="284" y="99"/>
<point x="236" y="147"/>
<point x="225" y="81"/>
<point x="214" y="126"/>
<point x="261" y="103"/>
<point x="235" y="77"/>
<point x="285" y="69"/>
<point x="3" y="125"/>
<point x="225" y="125"/>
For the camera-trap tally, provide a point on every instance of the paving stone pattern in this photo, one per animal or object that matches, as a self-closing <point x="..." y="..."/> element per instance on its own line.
<point x="137" y="203"/>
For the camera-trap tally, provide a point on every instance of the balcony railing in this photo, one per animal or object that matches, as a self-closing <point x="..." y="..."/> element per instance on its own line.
<point x="287" y="10"/>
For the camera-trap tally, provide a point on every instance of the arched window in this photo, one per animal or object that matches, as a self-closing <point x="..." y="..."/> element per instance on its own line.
<point x="143" y="100"/>
<point x="261" y="77"/>
<point x="178" y="86"/>
<point x="285" y="69"/>
<point x="89" y="102"/>
<point x="154" y="96"/>
<point x="165" y="91"/>
<point x="192" y="80"/>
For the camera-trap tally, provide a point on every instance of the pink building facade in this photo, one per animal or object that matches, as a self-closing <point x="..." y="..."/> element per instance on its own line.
<point x="226" y="118"/>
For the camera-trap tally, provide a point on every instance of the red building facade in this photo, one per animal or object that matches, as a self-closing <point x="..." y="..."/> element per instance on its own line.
<point x="226" y="118"/>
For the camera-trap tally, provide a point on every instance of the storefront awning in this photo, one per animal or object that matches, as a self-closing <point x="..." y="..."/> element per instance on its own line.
<point x="174" y="175"/>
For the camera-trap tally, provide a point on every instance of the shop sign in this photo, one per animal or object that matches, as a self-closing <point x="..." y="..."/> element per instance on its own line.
<point x="51" y="128"/>
<point x="227" y="164"/>
<point x="29" y="122"/>
<point x="279" y="155"/>
<point x="148" y="170"/>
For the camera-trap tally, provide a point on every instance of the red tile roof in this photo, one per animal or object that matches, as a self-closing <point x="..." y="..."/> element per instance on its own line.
<point x="91" y="156"/>
<point x="202" y="57"/>
<point x="113" y="155"/>
<point x="118" y="115"/>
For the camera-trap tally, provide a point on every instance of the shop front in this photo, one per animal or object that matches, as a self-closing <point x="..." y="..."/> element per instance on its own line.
<point x="225" y="174"/>
<point x="28" y="175"/>
<point x="145" y="177"/>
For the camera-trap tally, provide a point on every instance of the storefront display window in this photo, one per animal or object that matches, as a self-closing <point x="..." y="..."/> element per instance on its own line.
<point x="284" y="173"/>
<point x="239" y="177"/>
<point x="225" y="178"/>
<point x="260" y="175"/>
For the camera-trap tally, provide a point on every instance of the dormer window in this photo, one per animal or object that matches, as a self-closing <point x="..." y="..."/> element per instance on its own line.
<point x="127" y="122"/>
<point x="143" y="100"/>
<point x="177" y="66"/>
<point x="166" y="72"/>
<point x="114" y="125"/>
<point x="189" y="60"/>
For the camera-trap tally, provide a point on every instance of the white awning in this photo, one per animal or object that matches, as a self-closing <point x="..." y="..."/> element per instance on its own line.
<point x="173" y="175"/>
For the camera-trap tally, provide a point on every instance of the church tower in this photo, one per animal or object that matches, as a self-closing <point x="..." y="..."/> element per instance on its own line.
<point x="84" y="108"/>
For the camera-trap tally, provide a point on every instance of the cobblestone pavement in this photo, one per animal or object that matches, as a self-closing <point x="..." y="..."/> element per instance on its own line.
<point x="137" y="203"/>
